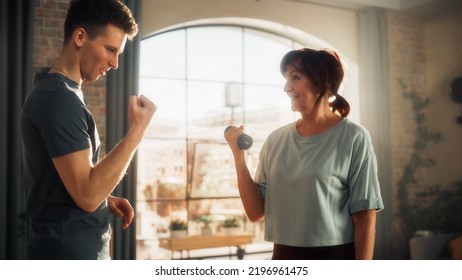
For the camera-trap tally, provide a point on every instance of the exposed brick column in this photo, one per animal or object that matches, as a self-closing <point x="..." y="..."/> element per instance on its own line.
<point x="407" y="63"/>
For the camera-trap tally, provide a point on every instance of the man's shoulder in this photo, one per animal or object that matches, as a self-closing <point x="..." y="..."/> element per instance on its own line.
<point x="52" y="101"/>
<point x="50" y="91"/>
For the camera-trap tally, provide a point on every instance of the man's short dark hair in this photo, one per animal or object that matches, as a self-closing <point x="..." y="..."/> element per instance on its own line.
<point x="95" y="15"/>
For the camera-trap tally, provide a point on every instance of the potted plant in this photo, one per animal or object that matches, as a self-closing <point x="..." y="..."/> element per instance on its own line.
<point x="178" y="228"/>
<point x="206" y="220"/>
<point x="231" y="225"/>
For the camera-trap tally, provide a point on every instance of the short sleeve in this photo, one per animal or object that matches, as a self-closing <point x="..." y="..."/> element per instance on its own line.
<point x="64" y="126"/>
<point x="363" y="180"/>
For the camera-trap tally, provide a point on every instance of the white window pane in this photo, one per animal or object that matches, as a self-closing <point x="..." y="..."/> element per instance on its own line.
<point x="208" y="113"/>
<point x="267" y="108"/>
<point x="214" y="54"/>
<point x="161" y="164"/>
<point x="262" y="56"/>
<point x="213" y="171"/>
<point x="163" y="56"/>
<point x="152" y="222"/>
<point x="169" y="120"/>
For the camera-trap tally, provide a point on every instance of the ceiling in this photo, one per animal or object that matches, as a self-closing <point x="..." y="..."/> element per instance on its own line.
<point x="426" y="8"/>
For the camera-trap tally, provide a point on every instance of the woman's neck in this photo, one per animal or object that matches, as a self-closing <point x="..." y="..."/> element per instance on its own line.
<point x="317" y="123"/>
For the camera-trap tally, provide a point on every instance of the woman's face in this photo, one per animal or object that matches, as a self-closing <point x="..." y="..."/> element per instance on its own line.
<point x="300" y="90"/>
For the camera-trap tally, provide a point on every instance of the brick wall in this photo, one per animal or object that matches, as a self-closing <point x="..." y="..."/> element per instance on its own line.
<point x="406" y="53"/>
<point x="48" y="40"/>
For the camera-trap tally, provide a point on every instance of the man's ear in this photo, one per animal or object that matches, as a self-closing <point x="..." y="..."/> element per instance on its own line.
<point x="80" y="36"/>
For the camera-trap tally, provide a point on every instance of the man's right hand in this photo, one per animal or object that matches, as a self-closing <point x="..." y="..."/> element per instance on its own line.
<point x="140" y="112"/>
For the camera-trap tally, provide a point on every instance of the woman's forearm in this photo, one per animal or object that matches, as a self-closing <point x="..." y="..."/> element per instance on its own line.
<point x="249" y="191"/>
<point x="364" y="234"/>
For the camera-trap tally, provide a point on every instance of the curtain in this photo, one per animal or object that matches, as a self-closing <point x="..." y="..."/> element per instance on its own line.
<point x="374" y="104"/>
<point x="122" y="83"/>
<point x="16" y="35"/>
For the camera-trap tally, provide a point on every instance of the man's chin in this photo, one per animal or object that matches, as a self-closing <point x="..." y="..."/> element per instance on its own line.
<point x="94" y="79"/>
<point x="90" y="79"/>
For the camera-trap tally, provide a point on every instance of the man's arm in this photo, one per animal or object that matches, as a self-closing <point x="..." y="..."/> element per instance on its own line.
<point x="364" y="234"/>
<point x="90" y="185"/>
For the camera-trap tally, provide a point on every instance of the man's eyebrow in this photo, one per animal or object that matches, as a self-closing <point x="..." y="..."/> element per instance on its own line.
<point x="119" y="51"/>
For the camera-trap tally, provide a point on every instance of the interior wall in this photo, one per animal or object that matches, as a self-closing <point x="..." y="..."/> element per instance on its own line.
<point x="444" y="57"/>
<point x="424" y="56"/>
<point x="338" y="27"/>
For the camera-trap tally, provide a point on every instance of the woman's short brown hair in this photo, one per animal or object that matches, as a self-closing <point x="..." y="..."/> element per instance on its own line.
<point x="324" y="69"/>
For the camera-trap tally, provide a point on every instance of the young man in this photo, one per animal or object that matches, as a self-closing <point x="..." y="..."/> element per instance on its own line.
<point x="68" y="190"/>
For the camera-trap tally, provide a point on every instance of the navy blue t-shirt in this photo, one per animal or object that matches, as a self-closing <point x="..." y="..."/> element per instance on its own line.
<point x="54" y="122"/>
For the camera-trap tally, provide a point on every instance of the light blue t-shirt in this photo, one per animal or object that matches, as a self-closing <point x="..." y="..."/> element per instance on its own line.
<point x="313" y="184"/>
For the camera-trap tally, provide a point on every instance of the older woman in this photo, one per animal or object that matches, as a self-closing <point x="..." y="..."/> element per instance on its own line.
<point x="316" y="184"/>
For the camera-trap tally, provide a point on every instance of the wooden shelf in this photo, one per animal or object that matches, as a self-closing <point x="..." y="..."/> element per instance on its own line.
<point x="200" y="242"/>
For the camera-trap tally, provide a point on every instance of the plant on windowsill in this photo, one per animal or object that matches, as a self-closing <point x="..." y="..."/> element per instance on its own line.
<point x="231" y="225"/>
<point x="178" y="228"/>
<point x="205" y="220"/>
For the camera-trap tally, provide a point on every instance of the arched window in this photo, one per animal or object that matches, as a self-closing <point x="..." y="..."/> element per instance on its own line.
<point x="204" y="78"/>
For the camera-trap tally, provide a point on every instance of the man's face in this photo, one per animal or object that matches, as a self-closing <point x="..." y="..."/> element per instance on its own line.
<point x="102" y="53"/>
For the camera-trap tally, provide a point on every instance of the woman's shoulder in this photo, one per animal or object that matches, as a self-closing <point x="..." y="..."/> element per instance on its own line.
<point x="354" y="127"/>
<point x="283" y="130"/>
<point x="357" y="134"/>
